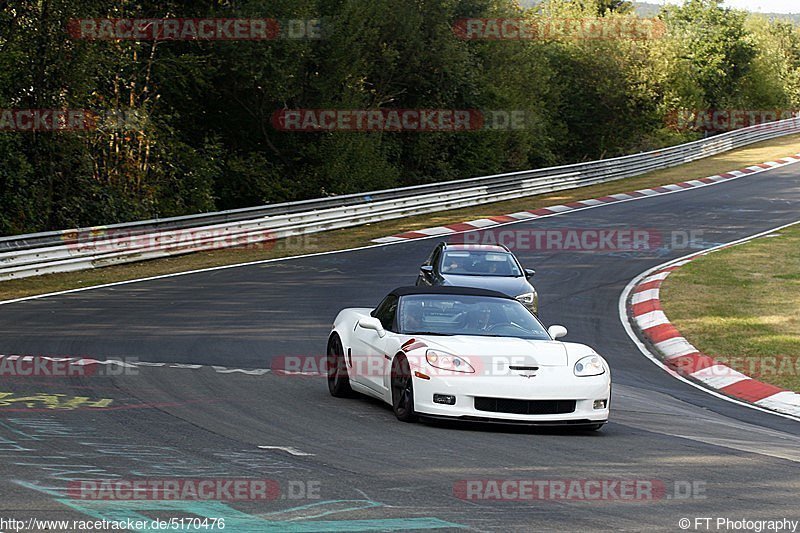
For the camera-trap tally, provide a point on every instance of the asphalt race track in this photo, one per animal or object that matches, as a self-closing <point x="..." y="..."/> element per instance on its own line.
<point x="364" y="469"/>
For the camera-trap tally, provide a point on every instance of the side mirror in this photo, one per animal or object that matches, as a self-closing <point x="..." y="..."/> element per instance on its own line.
<point x="529" y="272"/>
<point x="556" y="331"/>
<point x="426" y="270"/>
<point x="372" y="323"/>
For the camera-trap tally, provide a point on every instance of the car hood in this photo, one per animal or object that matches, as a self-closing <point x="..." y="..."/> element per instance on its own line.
<point x="500" y="350"/>
<point x="506" y="285"/>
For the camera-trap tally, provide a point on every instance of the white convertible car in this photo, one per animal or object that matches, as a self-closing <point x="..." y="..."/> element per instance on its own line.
<point x="468" y="354"/>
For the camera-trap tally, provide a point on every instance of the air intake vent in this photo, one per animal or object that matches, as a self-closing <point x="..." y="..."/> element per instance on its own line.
<point x="525" y="407"/>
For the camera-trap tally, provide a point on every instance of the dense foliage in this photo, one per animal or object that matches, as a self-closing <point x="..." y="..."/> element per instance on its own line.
<point x="197" y="133"/>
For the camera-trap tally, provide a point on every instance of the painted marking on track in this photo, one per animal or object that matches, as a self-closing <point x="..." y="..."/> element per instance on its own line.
<point x="53" y="401"/>
<point x="236" y="520"/>
<point x="253" y="372"/>
<point x="77" y="361"/>
<point x="288" y="449"/>
<point x="320" y="509"/>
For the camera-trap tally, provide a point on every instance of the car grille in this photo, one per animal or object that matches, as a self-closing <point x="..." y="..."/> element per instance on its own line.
<point x="525" y="407"/>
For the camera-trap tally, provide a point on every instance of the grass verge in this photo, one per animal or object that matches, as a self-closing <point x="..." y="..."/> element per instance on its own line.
<point x="741" y="305"/>
<point x="362" y="235"/>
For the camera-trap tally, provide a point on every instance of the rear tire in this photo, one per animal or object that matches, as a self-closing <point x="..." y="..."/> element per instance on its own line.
<point x="402" y="390"/>
<point x="338" y="380"/>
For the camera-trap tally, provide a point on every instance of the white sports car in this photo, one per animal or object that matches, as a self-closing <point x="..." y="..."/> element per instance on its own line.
<point x="468" y="354"/>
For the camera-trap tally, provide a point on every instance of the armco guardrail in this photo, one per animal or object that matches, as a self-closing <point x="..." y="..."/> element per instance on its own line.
<point x="79" y="249"/>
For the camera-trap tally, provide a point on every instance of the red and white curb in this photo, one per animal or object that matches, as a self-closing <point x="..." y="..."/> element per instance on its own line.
<point x="583" y="204"/>
<point x="682" y="358"/>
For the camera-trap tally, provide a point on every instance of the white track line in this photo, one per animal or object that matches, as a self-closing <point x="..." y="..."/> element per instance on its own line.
<point x="288" y="449"/>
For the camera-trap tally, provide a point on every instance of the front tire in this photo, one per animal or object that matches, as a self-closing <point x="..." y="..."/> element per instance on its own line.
<point x="402" y="390"/>
<point x="338" y="380"/>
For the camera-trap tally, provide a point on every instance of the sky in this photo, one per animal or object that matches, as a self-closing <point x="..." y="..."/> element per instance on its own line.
<point x="760" y="6"/>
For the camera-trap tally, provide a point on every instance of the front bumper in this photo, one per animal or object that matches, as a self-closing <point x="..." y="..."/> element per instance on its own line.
<point x="550" y="383"/>
<point x="578" y="423"/>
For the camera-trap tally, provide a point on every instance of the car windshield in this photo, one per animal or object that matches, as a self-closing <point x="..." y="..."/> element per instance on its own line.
<point x="485" y="316"/>
<point x="479" y="263"/>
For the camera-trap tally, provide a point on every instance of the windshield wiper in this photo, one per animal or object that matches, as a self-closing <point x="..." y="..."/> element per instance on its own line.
<point x="428" y="333"/>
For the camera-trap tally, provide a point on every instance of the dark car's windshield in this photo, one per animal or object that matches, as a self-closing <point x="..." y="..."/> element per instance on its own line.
<point x="479" y="263"/>
<point x="440" y="314"/>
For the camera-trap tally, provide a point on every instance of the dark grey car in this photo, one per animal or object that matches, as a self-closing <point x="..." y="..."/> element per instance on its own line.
<point x="491" y="267"/>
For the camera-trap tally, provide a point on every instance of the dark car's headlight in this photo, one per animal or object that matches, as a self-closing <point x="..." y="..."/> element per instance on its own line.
<point x="589" y="366"/>
<point x="528" y="298"/>
<point x="446" y="361"/>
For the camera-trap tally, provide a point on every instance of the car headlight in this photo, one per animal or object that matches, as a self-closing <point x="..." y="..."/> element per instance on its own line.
<point x="446" y="361"/>
<point x="589" y="366"/>
<point x="527" y="298"/>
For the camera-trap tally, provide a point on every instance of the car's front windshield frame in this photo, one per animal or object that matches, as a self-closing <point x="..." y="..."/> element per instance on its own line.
<point x="473" y="315"/>
<point x="518" y="270"/>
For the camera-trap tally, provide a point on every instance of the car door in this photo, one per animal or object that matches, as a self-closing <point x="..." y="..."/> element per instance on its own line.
<point x="370" y="358"/>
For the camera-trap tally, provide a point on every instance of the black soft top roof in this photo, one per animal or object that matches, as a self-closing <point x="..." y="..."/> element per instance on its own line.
<point x="461" y="291"/>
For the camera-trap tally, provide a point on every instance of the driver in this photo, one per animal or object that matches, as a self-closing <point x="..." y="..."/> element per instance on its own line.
<point x="412" y="316"/>
<point x="452" y="265"/>
<point x="481" y="318"/>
